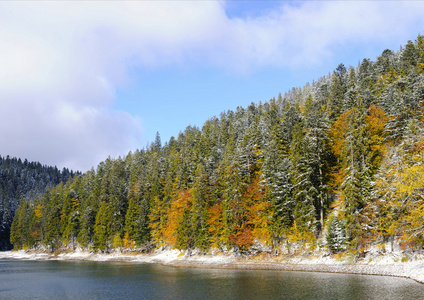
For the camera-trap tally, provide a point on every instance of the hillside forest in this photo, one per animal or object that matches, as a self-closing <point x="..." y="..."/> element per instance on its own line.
<point x="23" y="181"/>
<point x="337" y="164"/>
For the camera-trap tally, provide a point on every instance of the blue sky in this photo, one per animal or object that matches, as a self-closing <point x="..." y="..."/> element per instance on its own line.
<point x="83" y="80"/>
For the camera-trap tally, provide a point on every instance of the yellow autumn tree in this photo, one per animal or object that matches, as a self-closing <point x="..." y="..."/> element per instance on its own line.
<point x="216" y="225"/>
<point x="411" y="189"/>
<point x="36" y="230"/>
<point x="258" y="210"/>
<point x="338" y="134"/>
<point x="376" y="122"/>
<point x="400" y="189"/>
<point x="387" y="202"/>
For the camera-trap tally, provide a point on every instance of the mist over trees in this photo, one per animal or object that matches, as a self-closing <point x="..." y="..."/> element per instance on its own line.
<point x="338" y="163"/>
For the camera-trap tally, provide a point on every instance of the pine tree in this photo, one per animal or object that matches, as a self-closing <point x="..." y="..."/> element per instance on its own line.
<point x="200" y="200"/>
<point x="336" y="235"/>
<point x="19" y="233"/>
<point x="304" y="192"/>
<point x="337" y="92"/>
<point x="276" y="176"/>
<point x="102" y="230"/>
<point x="88" y="220"/>
<point x="317" y="149"/>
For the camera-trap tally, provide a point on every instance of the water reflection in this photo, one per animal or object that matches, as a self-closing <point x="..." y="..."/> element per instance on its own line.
<point x="100" y="280"/>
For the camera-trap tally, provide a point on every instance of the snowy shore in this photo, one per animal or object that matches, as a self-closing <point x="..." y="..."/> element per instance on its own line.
<point x="386" y="265"/>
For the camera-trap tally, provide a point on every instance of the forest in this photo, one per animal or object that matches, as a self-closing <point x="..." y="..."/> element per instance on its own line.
<point x="337" y="164"/>
<point x="23" y="181"/>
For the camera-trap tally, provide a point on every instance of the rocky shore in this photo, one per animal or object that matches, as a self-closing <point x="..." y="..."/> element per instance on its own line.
<point x="384" y="265"/>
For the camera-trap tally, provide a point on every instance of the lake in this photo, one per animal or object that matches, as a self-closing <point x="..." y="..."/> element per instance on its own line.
<point x="111" y="280"/>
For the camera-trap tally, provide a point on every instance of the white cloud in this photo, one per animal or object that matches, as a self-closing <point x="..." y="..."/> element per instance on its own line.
<point x="61" y="62"/>
<point x="299" y="35"/>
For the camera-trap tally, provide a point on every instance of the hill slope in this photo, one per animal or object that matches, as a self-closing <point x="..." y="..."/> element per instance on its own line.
<point x="338" y="164"/>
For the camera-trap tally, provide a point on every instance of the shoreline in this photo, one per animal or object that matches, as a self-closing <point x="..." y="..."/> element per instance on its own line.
<point x="385" y="265"/>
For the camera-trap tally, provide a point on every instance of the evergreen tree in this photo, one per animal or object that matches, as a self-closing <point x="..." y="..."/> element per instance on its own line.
<point x="304" y="192"/>
<point x="337" y="92"/>
<point x="268" y="173"/>
<point x="102" y="228"/>
<point x="200" y="200"/>
<point x="336" y="235"/>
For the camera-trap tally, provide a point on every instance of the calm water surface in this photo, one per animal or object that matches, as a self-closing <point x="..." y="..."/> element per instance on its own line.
<point x="107" y="280"/>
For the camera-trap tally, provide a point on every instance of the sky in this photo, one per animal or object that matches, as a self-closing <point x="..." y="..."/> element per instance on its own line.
<point x="84" y="80"/>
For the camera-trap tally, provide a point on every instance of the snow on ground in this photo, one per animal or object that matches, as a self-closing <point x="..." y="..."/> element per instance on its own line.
<point x="389" y="264"/>
<point x="23" y="255"/>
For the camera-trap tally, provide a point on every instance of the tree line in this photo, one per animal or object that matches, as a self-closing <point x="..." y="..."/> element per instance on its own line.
<point x="23" y="181"/>
<point x="338" y="163"/>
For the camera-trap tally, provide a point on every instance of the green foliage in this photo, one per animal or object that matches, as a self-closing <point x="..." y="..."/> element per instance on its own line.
<point x="336" y="235"/>
<point x="268" y="173"/>
<point x="22" y="181"/>
<point x="102" y="227"/>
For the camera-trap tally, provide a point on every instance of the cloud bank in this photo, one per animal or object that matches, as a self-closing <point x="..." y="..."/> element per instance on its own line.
<point x="61" y="62"/>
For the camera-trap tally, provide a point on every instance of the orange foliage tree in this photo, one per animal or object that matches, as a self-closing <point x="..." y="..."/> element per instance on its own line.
<point x="252" y="217"/>
<point x="216" y="225"/>
<point x="178" y="208"/>
<point x="358" y="143"/>
<point x="375" y="127"/>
